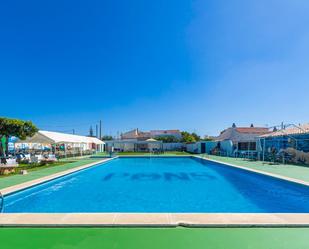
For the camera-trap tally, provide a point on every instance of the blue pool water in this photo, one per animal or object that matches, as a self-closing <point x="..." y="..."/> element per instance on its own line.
<point x="162" y="185"/>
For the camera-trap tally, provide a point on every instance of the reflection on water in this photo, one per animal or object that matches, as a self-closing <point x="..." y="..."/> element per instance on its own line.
<point x="43" y="192"/>
<point x="165" y="176"/>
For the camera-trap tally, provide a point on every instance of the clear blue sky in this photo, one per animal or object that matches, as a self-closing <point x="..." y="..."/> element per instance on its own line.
<point x="192" y="65"/>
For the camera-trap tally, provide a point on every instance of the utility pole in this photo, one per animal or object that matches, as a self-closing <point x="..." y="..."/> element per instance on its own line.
<point x="100" y="129"/>
<point x="73" y="131"/>
<point x="96" y="130"/>
<point x="90" y="131"/>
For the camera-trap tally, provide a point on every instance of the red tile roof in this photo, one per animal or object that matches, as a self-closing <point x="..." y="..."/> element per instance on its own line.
<point x="252" y="130"/>
<point x="165" y="131"/>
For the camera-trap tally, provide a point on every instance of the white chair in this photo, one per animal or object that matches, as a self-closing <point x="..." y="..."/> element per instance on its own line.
<point x="52" y="157"/>
<point x="39" y="157"/>
<point x="11" y="161"/>
<point x="34" y="159"/>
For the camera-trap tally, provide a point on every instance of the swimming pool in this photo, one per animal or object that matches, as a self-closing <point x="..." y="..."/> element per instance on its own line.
<point x="162" y="185"/>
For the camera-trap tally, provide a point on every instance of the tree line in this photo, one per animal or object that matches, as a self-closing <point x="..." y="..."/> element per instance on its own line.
<point x="13" y="128"/>
<point x="186" y="137"/>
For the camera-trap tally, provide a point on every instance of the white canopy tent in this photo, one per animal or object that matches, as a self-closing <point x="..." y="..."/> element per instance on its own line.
<point x="75" y="141"/>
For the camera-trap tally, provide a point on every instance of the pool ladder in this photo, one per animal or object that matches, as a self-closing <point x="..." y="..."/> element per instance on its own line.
<point x="1" y="203"/>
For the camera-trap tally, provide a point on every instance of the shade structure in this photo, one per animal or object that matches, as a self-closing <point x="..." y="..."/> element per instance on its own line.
<point x="293" y="130"/>
<point x="51" y="137"/>
<point x="151" y="140"/>
<point x="58" y="137"/>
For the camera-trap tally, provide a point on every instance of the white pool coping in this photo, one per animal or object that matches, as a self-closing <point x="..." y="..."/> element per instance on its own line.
<point x="150" y="219"/>
<point x="257" y="171"/>
<point x="153" y="220"/>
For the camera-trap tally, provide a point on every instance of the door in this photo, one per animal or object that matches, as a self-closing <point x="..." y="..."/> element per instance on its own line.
<point x="203" y="148"/>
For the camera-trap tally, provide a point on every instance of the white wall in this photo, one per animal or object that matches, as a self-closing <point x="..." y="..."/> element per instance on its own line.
<point x="193" y="148"/>
<point x="210" y="145"/>
<point x="227" y="146"/>
<point x="172" y="146"/>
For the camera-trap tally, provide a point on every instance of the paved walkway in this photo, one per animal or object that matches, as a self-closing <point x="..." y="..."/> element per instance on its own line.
<point x="292" y="171"/>
<point x="32" y="175"/>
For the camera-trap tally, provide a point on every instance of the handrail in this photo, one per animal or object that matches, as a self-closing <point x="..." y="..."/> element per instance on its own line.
<point x="1" y="203"/>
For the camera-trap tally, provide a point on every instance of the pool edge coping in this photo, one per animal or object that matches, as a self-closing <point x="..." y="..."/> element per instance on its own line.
<point x="261" y="172"/>
<point x="154" y="220"/>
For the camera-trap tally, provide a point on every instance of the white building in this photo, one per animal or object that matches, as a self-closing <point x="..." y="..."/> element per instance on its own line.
<point x="134" y="145"/>
<point x="51" y="140"/>
<point x="144" y="135"/>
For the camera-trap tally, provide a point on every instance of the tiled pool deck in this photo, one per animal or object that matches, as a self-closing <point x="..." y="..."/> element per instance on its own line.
<point x="152" y="220"/>
<point x="160" y="219"/>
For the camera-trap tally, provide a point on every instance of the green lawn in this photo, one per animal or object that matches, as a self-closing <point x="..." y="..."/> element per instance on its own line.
<point x="154" y="238"/>
<point x="293" y="171"/>
<point x="43" y="171"/>
<point x="35" y="166"/>
<point x="100" y="154"/>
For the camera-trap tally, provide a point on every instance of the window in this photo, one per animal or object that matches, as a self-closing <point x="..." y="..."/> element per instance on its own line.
<point x="247" y="146"/>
